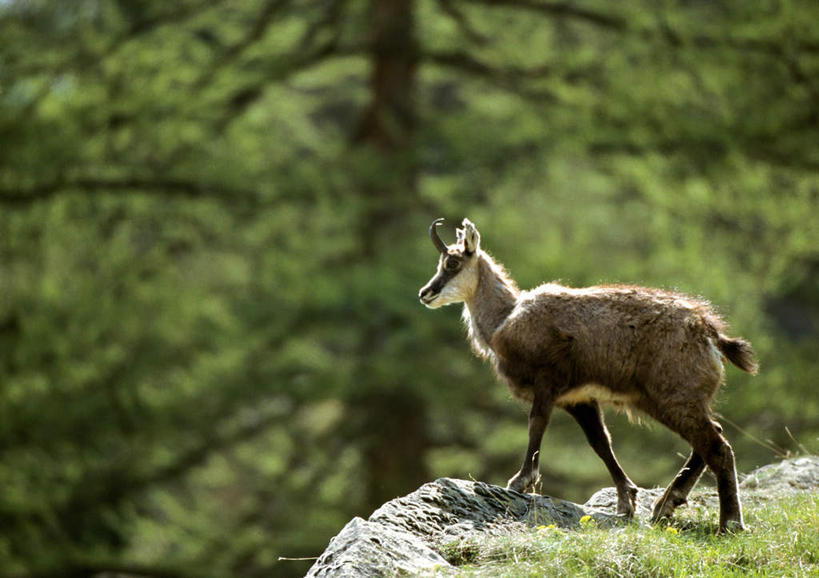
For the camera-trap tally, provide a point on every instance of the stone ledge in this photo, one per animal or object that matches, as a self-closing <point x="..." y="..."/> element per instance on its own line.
<point x="401" y="536"/>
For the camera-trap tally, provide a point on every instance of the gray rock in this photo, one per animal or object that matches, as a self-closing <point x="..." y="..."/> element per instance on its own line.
<point x="787" y="476"/>
<point x="366" y="548"/>
<point x="605" y="500"/>
<point x="404" y="535"/>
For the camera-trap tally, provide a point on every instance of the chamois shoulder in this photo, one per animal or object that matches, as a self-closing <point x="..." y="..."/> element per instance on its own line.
<point x="533" y="323"/>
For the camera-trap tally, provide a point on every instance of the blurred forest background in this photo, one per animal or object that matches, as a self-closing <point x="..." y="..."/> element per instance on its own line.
<point x="213" y="221"/>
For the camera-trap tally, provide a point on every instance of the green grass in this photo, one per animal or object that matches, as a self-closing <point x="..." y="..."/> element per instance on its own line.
<point x="782" y="540"/>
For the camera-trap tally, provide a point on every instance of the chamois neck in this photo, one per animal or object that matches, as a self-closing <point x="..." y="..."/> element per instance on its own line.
<point x="493" y="300"/>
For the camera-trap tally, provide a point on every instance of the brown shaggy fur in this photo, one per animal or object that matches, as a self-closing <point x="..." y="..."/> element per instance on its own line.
<point x="630" y="347"/>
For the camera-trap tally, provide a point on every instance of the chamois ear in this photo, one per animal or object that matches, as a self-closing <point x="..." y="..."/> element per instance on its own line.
<point x="470" y="236"/>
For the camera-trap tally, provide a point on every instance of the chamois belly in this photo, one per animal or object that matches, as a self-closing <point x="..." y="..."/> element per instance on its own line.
<point x="595" y="392"/>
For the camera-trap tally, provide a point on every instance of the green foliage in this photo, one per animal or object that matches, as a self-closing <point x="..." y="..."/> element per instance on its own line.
<point x="213" y="229"/>
<point x="781" y="541"/>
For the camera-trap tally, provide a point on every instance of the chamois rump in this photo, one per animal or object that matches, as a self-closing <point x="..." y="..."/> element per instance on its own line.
<point x="577" y="349"/>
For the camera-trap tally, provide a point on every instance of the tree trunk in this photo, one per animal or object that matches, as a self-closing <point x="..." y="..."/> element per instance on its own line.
<point x="391" y="415"/>
<point x="389" y="119"/>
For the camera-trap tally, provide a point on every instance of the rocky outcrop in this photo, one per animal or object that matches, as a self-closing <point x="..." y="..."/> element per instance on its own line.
<point x="793" y="475"/>
<point x="403" y="535"/>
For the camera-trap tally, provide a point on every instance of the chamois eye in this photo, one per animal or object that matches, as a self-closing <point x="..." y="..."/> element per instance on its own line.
<point x="452" y="264"/>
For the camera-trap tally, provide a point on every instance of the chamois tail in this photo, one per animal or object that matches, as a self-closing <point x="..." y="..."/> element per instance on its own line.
<point x="739" y="352"/>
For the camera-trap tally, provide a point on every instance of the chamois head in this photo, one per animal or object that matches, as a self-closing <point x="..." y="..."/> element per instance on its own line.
<point x="456" y="279"/>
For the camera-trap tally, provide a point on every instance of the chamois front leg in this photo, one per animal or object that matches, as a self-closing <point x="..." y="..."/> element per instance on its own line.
<point x="528" y="476"/>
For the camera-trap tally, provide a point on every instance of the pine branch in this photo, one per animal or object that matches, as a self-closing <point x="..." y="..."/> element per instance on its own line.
<point x="81" y="58"/>
<point x="253" y="35"/>
<point x="24" y="196"/>
<point x="562" y="9"/>
<point x="244" y="97"/>
<point x="449" y="8"/>
<point x="515" y="79"/>
<point x="180" y="13"/>
<point x="465" y="62"/>
<point x="110" y="488"/>
<point x="118" y="568"/>
<point x="664" y="32"/>
<point x="308" y="53"/>
<point x="756" y="150"/>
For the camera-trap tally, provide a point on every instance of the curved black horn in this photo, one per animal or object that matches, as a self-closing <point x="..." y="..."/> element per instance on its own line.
<point x="433" y="234"/>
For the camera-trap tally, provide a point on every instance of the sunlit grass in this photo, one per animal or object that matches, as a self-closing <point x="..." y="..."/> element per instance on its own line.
<point x="782" y="540"/>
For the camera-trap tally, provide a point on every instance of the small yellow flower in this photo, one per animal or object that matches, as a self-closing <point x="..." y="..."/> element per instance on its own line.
<point x="670" y="530"/>
<point x="588" y="522"/>
<point x="549" y="527"/>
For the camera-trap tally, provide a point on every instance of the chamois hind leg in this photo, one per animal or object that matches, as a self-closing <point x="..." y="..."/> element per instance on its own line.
<point x="677" y="492"/>
<point x="717" y="452"/>
<point x="693" y="422"/>
<point x="527" y="478"/>
<point x="590" y="418"/>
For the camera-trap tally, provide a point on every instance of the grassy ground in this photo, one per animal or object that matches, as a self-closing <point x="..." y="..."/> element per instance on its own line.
<point x="782" y="540"/>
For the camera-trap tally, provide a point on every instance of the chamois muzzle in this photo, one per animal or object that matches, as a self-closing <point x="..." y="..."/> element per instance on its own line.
<point x="433" y="234"/>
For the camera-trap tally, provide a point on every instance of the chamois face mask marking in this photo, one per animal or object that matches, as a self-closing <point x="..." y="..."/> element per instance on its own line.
<point x="456" y="277"/>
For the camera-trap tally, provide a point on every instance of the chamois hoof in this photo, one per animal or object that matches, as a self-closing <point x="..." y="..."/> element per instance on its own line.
<point x="731" y="527"/>
<point x="625" y="509"/>
<point x="627" y="502"/>
<point x="523" y="483"/>
<point x="665" y="506"/>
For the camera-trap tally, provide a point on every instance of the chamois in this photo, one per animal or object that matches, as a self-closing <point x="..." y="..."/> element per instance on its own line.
<point x="633" y="347"/>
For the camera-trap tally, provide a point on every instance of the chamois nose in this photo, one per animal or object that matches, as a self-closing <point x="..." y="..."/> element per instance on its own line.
<point x="426" y="294"/>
